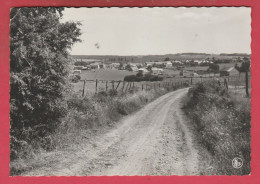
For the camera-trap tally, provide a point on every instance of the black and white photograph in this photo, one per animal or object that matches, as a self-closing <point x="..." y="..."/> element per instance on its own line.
<point x="112" y="91"/>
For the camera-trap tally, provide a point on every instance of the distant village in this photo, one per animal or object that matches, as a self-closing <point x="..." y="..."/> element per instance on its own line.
<point x="153" y="67"/>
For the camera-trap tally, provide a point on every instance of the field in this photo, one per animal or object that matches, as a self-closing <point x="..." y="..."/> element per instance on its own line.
<point x="105" y="74"/>
<point x="109" y="74"/>
<point x="221" y="66"/>
<point x="171" y="75"/>
<point x="147" y="58"/>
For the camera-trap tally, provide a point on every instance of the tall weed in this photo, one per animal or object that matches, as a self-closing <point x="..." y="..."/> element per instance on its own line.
<point x="222" y="120"/>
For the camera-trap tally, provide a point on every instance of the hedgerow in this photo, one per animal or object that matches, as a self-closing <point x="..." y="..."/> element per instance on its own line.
<point x="222" y="121"/>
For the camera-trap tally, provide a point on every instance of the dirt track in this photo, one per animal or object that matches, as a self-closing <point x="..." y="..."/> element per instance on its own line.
<point x="152" y="141"/>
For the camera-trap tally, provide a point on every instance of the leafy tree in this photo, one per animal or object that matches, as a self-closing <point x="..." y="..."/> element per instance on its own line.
<point x="38" y="67"/>
<point x="167" y="59"/>
<point x="120" y="66"/>
<point x="139" y="74"/>
<point x="128" y="67"/>
<point x="245" y="68"/>
<point x="213" y="68"/>
<point x="149" y="68"/>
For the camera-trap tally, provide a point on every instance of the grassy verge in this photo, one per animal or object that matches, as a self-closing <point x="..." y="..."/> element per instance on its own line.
<point x="86" y="117"/>
<point x="222" y="122"/>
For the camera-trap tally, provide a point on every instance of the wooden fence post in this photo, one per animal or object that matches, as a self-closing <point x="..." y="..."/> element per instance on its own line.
<point x="191" y="80"/>
<point x="113" y="85"/>
<point x="118" y="85"/>
<point x="123" y="85"/>
<point x="126" y="86"/>
<point x="106" y="85"/>
<point x="142" y="86"/>
<point x="83" y="88"/>
<point x="246" y="78"/>
<point x="225" y="83"/>
<point x="96" y="85"/>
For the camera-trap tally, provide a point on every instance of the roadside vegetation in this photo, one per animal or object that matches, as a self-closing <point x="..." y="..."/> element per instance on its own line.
<point x="46" y="115"/>
<point x="39" y="68"/>
<point x="221" y="120"/>
<point x="85" y="116"/>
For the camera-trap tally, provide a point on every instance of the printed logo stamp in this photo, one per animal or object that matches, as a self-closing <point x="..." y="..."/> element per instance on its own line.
<point x="237" y="162"/>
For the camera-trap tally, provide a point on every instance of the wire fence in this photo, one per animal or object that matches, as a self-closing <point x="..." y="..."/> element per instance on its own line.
<point x="95" y="86"/>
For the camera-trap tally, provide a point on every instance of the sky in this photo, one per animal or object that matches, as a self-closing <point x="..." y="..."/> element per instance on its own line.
<point x="158" y="31"/>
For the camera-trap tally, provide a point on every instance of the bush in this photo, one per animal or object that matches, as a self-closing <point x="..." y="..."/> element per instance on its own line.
<point x="39" y="64"/>
<point x="75" y="78"/>
<point x="130" y="78"/>
<point x="146" y="77"/>
<point x="222" y="121"/>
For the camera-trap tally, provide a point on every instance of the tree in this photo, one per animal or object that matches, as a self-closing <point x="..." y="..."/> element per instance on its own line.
<point x="213" y="68"/>
<point x="128" y="67"/>
<point x="149" y="68"/>
<point x="244" y="67"/>
<point x="167" y="59"/>
<point x="120" y="66"/>
<point x="38" y="67"/>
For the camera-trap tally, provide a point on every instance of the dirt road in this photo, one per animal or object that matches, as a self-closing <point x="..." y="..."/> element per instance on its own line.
<point x="152" y="141"/>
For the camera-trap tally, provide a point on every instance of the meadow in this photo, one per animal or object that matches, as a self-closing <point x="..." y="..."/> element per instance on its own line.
<point x="103" y="75"/>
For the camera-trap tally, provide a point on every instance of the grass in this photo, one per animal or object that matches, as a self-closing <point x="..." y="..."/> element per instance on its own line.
<point x="221" y="65"/>
<point x="105" y="74"/>
<point x="222" y="122"/>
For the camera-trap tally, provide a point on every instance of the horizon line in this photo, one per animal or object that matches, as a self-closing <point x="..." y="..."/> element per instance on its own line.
<point x="238" y="53"/>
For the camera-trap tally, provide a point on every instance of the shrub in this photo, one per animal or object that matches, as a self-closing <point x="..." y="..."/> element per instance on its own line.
<point x="38" y="73"/>
<point x="146" y="77"/>
<point x="130" y="78"/>
<point x="75" y="78"/>
<point x="222" y="121"/>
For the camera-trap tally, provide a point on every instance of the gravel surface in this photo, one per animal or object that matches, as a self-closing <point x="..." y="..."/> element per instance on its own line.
<point x="152" y="141"/>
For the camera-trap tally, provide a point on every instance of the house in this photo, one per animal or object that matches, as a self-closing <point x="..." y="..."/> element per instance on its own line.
<point x="168" y="64"/>
<point x="143" y="71"/>
<point x="228" y="71"/>
<point x="197" y="61"/>
<point x="157" y="71"/>
<point x="150" y="63"/>
<point x="95" y="65"/>
<point x="134" y="68"/>
<point x="176" y="62"/>
<point x="115" y="65"/>
<point x="159" y="63"/>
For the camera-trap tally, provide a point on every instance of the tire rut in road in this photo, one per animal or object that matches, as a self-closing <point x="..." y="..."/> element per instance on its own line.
<point x="153" y="141"/>
<point x="156" y="146"/>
